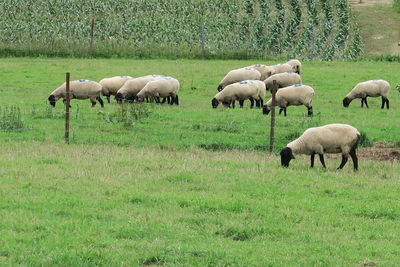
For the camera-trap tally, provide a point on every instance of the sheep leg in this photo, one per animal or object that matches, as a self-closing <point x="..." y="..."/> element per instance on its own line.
<point x="321" y="158"/>
<point x="233" y="104"/>
<point x="65" y="102"/>
<point x="251" y="102"/>
<point x="280" y="111"/>
<point x="284" y="112"/>
<point x="310" y="111"/>
<point x="354" y="158"/>
<point x="387" y="103"/>
<point x="93" y="103"/>
<point x="100" y="101"/>
<point x="261" y="102"/>
<point x="241" y="102"/>
<point x="176" y="100"/>
<point x="168" y="99"/>
<point x="108" y="99"/>
<point x="365" y="101"/>
<point x="164" y="100"/>
<point x="257" y="103"/>
<point x="362" y="102"/>
<point x="312" y="160"/>
<point x="157" y="99"/>
<point x="344" y="161"/>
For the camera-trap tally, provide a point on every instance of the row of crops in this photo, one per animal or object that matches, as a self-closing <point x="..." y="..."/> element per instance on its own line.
<point x="306" y="29"/>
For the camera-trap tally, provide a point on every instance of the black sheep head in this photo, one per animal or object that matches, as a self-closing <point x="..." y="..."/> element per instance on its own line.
<point x="214" y="103"/>
<point x="346" y="102"/>
<point x="286" y="156"/>
<point x="52" y="100"/>
<point x="265" y="110"/>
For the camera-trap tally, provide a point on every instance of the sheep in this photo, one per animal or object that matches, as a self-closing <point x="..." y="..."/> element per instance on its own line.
<point x="79" y="89"/>
<point x="280" y="68"/>
<point x="296" y="65"/>
<point x="264" y="70"/>
<point x="112" y="85"/>
<point x="294" y="95"/>
<point x="398" y="88"/>
<point x="331" y="138"/>
<point x="283" y="80"/>
<point x="164" y="86"/>
<point x="249" y="89"/>
<point x="372" y="88"/>
<point x="239" y="75"/>
<point x="133" y="86"/>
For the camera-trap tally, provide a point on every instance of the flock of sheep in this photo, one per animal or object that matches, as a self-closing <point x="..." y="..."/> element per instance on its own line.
<point x="123" y="88"/>
<point x="248" y="83"/>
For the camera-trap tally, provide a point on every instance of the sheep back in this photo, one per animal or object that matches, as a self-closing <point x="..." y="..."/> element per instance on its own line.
<point x="80" y="89"/>
<point x="371" y="88"/>
<point x="331" y="138"/>
<point x="241" y="91"/>
<point x="283" y="80"/>
<point x="295" y="95"/>
<point x="133" y="86"/>
<point x="163" y="86"/>
<point x="239" y="75"/>
<point x="113" y="84"/>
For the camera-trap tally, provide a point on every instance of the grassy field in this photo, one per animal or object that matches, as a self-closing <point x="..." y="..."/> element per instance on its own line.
<point x="190" y="185"/>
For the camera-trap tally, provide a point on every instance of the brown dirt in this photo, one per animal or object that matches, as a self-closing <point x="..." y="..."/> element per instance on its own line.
<point x="356" y="3"/>
<point x="377" y="152"/>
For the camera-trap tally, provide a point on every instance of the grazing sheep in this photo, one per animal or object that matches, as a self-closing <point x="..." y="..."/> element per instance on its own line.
<point x="398" y="88"/>
<point x="296" y="65"/>
<point x="80" y="89"/>
<point x="162" y="87"/>
<point x="264" y="70"/>
<point x="331" y="138"/>
<point x="280" y="68"/>
<point x="112" y="85"/>
<point x="249" y="89"/>
<point x="373" y="88"/>
<point x="294" y="95"/>
<point x="133" y="86"/>
<point x="239" y="75"/>
<point x="283" y="80"/>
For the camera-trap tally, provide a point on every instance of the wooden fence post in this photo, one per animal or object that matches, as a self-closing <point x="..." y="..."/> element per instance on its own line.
<point x="272" y="131"/>
<point x="67" y="98"/>
<point x="91" y="38"/>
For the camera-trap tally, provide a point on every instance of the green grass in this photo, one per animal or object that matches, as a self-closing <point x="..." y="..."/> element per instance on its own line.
<point x="148" y="194"/>
<point x="107" y="205"/>
<point x="27" y="83"/>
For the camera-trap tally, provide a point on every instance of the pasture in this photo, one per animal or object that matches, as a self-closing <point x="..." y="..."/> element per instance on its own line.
<point x="190" y="185"/>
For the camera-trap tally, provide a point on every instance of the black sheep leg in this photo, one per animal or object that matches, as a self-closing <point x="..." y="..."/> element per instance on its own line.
<point x="261" y="102"/>
<point x="93" y="103"/>
<point x="163" y="100"/>
<point x="241" y="102"/>
<point x="251" y="102"/>
<point x="321" y="158"/>
<point x="100" y="101"/>
<point x="280" y="111"/>
<point x="284" y="112"/>
<point x="385" y="101"/>
<point x="233" y="104"/>
<point x="362" y="102"/>
<point x="365" y="101"/>
<point x="312" y="160"/>
<point x="354" y="158"/>
<point x="108" y="99"/>
<point x="344" y="161"/>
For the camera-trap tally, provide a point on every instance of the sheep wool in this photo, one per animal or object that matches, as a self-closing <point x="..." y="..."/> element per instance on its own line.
<point x="283" y="80"/>
<point x="280" y="68"/>
<point x="79" y="89"/>
<point x="372" y="88"/>
<point x="331" y="138"/>
<point x="239" y="75"/>
<point x="164" y="86"/>
<point x="264" y="70"/>
<point x="133" y="86"/>
<point x="296" y="65"/>
<point x="254" y="90"/>
<point x="295" y="95"/>
<point x="112" y="85"/>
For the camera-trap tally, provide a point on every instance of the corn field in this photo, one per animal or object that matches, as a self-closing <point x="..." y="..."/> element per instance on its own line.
<point x="306" y="29"/>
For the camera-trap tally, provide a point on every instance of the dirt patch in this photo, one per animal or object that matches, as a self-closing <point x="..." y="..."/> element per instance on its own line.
<point x="357" y="3"/>
<point x="379" y="153"/>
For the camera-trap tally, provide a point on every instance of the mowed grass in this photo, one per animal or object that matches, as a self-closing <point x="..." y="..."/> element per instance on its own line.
<point x="28" y="82"/>
<point x="148" y="194"/>
<point x="107" y="205"/>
